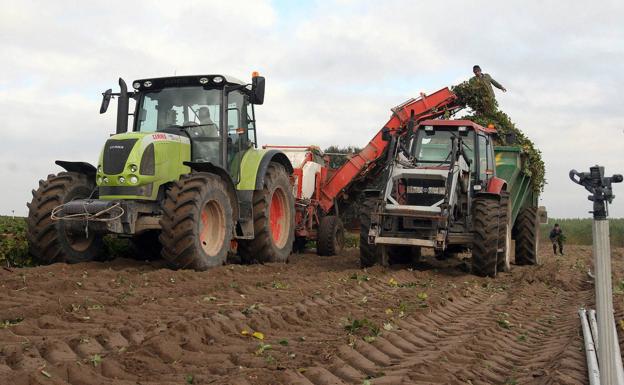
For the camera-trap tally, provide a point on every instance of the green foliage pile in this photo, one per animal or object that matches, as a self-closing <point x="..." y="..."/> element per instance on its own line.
<point x="475" y="95"/>
<point x="13" y="244"/>
<point x="578" y="231"/>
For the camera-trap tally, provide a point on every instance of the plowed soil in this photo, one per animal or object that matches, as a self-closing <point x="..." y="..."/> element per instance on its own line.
<point x="317" y="320"/>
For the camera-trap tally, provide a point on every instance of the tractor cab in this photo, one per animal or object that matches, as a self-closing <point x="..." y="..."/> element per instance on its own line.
<point x="203" y="122"/>
<point x="214" y="112"/>
<point x="436" y="141"/>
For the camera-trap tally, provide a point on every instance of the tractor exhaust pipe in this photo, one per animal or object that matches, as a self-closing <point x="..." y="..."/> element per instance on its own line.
<point x="122" y="107"/>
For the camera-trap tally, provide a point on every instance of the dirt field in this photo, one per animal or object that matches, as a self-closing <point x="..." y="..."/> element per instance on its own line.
<point x="321" y="320"/>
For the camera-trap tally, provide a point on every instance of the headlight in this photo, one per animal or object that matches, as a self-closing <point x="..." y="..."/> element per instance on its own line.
<point x="217" y="79"/>
<point x="134" y="179"/>
<point x="99" y="169"/>
<point x="105" y="180"/>
<point x="147" y="83"/>
<point x="99" y="180"/>
<point x="133" y="168"/>
<point x="122" y="179"/>
<point x="136" y="85"/>
<point x="203" y="80"/>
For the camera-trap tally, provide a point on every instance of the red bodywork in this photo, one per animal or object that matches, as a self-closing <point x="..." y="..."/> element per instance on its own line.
<point x="330" y="184"/>
<point x="496" y="185"/>
<point x="423" y="108"/>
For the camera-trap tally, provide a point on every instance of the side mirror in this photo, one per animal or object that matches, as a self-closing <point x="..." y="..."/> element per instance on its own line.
<point x="106" y="97"/>
<point x="257" y="90"/>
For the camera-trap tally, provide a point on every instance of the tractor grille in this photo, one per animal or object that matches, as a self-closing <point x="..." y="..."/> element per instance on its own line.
<point x="116" y="153"/>
<point x="425" y="192"/>
<point x="145" y="190"/>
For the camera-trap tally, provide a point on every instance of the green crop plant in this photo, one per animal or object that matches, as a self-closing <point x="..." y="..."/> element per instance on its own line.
<point x="485" y="111"/>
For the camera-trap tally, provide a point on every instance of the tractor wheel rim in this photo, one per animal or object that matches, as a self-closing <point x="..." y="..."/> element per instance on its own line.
<point x="212" y="228"/>
<point x="278" y="218"/>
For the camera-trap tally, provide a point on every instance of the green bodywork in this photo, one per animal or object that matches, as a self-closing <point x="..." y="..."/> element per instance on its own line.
<point x="249" y="166"/>
<point x="509" y="162"/>
<point x="169" y="153"/>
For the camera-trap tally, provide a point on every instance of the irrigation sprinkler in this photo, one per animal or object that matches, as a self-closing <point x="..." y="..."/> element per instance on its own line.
<point x="599" y="186"/>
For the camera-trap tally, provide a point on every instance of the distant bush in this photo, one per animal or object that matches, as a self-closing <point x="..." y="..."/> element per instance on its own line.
<point x="579" y="231"/>
<point x="336" y="160"/>
<point x="13" y="243"/>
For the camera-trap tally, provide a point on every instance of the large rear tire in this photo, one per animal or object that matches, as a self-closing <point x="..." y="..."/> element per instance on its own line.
<point x="197" y="222"/>
<point x="274" y="219"/>
<point x="527" y="237"/>
<point x="485" y="228"/>
<point x="503" y="260"/>
<point x="331" y="236"/>
<point x="48" y="240"/>
<point x="369" y="254"/>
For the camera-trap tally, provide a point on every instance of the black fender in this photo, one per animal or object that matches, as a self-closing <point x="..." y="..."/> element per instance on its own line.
<point x="224" y="175"/>
<point x="486" y="194"/>
<point x="80" y="167"/>
<point x="271" y="156"/>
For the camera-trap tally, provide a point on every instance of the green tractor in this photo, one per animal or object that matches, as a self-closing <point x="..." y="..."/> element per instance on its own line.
<point x="187" y="182"/>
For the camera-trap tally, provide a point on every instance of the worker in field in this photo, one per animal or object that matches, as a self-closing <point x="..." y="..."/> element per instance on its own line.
<point x="556" y="237"/>
<point x="486" y="80"/>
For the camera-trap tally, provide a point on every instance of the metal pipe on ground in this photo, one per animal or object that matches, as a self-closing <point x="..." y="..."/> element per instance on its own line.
<point x="590" y="350"/>
<point x="593" y="324"/>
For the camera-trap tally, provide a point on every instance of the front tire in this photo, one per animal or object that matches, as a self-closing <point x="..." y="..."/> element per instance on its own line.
<point x="274" y="219"/>
<point x="48" y="240"/>
<point x="485" y="229"/>
<point x="331" y="236"/>
<point x="197" y="222"/>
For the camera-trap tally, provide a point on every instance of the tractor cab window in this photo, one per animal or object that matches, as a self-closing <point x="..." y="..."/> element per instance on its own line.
<point x="195" y="110"/>
<point x="238" y="121"/>
<point x="434" y="148"/>
<point x="485" y="158"/>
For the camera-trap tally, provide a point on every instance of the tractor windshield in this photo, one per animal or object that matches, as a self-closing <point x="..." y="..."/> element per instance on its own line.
<point x="195" y="110"/>
<point x="181" y="107"/>
<point x="434" y="148"/>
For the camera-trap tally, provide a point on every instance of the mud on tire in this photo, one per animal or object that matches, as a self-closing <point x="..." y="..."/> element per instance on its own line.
<point x="48" y="241"/>
<point x="197" y="222"/>
<point x="331" y="236"/>
<point x="485" y="244"/>
<point x="527" y="237"/>
<point x="274" y="219"/>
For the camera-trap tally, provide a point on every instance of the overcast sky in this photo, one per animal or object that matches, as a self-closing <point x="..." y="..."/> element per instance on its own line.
<point x="334" y="69"/>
